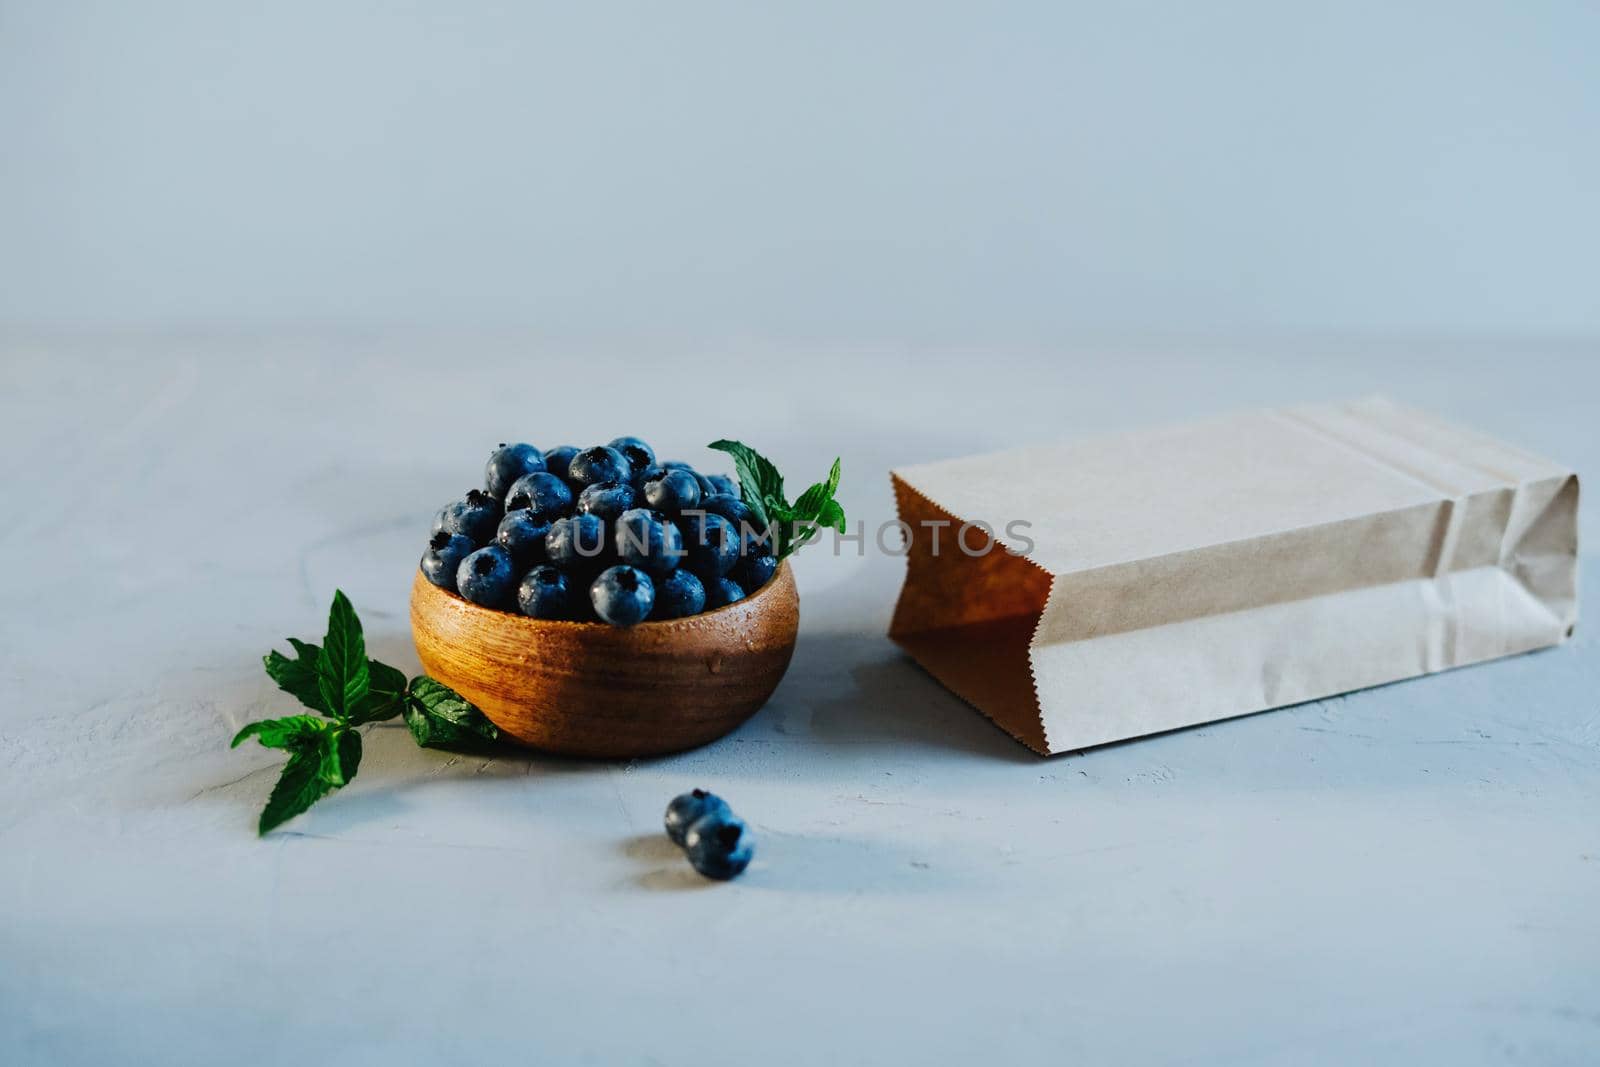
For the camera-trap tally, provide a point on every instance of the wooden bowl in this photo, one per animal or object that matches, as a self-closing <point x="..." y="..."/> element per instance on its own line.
<point x="588" y="689"/>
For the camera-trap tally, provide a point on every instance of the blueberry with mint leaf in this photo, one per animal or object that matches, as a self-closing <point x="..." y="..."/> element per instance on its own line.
<point x="443" y="558"/>
<point x="719" y="845"/>
<point x="686" y="809"/>
<point x="622" y="595"/>
<point x="474" y="517"/>
<point x="545" y="594"/>
<point x="601" y="463"/>
<point x="487" y="577"/>
<point x="638" y="454"/>
<point x="576" y="542"/>
<point x="507" y="464"/>
<point x="646" y="540"/>
<point x="522" y="534"/>
<point x="679" y="594"/>
<point x="558" y="459"/>
<point x="607" y="499"/>
<point x="542" y="493"/>
<point x="672" y="491"/>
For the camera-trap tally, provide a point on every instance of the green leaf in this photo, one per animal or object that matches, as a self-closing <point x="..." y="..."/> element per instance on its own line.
<point x="439" y="717"/>
<point x="297" y="677"/>
<point x="809" y="507"/>
<point x="340" y="757"/>
<point x="832" y="516"/>
<point x="342" y="672"/>
<point x="292" y="732"/>
<point x="386" y="694"/>
<point x="760" y="484"/>
<point x="299" y="786"/>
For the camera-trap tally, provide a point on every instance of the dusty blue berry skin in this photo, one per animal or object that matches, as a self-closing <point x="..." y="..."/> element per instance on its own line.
<point x="542" y="493"/>
<point x="508" y="463"/>
<point x="724" y="485"/>
<point x="607" y="499"/>
<point x="558" y="459"/>
<point x="487" y="577"/>
<point x="443" y="558"/>
<point x="711" y="544"/>
<point x="679" y="594"/>
<point x="474" y="517"/>
<point x="522" y="534"/>
<point x="686" y="809"/>
<point x="638" y="454"/>
<point x="720" y="592"/>
<point x="648" y="474"/>
<point x="673" y="491"/>
<point x="601" y="463"/>
<point x="754" y="570"/>
<point x="646" y="540"/>
<point x="622" y="595"/>
<point x="577" y="542"/>
<point x="545" y="594"/>
<point x="719" y="845"/>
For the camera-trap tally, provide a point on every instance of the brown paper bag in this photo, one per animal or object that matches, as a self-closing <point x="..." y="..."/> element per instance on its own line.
<point x="1195" y="573"/>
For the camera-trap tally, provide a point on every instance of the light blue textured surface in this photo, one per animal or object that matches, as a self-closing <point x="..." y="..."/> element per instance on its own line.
<point x="1405" y="875"/>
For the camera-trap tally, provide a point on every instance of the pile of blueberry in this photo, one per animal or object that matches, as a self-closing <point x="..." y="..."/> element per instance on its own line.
<point x="606" y="534"/>
<point x="717" y="842"/>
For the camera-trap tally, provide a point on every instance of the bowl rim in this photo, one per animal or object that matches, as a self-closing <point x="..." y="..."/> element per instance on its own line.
<point x="688" y="621"/>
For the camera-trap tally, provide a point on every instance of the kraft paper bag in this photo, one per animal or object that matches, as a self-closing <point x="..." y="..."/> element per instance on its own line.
<point x="1195" y="573"/>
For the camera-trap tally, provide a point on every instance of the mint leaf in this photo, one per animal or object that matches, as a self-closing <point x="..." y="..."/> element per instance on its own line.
<point x="292" y="732"/>
<point x="299" y="786"/>
<point x="297" y="677"/>
<point x="439" y="717"/>
<point x="832" y="516"/>
<point x="386" y="694"/>
<point x="340" y="757"/>
<point x="812" y="501"/>
<point x="342" y="672"/>
<point x="760" y="484"/>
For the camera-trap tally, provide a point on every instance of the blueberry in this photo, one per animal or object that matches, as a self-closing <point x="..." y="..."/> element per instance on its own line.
<point x="638" y="454"/>
<point x="622" y="595"/>
<point x="522" y="534"/>
<point x="648" y="474"/>
<point x="646" y="540"/>
<point x="602" y="463"/>
<point x="558" y="459"/>
<point x="545" y="594"/>
<point x="754" y="570"/>
<point x="445" y="552"/>
<point x="720" y="592"/>
<point x="672" y="492"/>
<point x="607" y="499"/>
<point x="677" y="465"/>
<point x="729" y="507"/>
<point x="712" y="544"/>
<point x="507" y="464"/>
<point x="686" y="809"/>
<point x="719" y="845"/>
<point x="577" y="542"/>
<point x="678" y="594"/>
<point x="723" y="484"/>
<point x="487" y="577"/>
<point x="475" y="517"/>
<point x="542" y="493"/>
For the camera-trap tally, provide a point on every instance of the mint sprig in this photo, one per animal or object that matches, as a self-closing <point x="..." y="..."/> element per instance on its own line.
<point x="347" y="690"/>
<point x="761" y="487"/>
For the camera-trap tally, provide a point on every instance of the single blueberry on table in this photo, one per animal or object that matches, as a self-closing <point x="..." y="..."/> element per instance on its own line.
<point x="576" y="542"/>
<point x="558" y="459"/>
<point x="607" y="499"/>
<point x="646" y="540"/>
<point x="720" y="592"/>
<point x="638" y="454"/>
<point x="601" y="463"/>
<point x="443" y="558"/>
<point x="507" y="464"/>
<point x="686" y="809"/>
<point x="522" y="534"/>
<point x="723" y="484"/>
<point x="487" y="577"/>
<point x="622" y="595"/>
<point x="754" y="570"/>
<point x="474" y="517"/>
<point x="545" y="594"/>
<point x="673" y="491"/>
<point x="679" y="594"/>
<point x="719" y="845"/>
<point x="542" y="493"/>
<point x="711" y="543"/>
